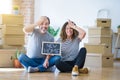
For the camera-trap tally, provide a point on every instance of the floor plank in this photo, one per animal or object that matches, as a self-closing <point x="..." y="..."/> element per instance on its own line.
<point x="94" y="74"/>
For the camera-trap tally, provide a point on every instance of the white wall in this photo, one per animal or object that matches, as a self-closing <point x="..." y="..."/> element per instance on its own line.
<point x="82" y="12"/>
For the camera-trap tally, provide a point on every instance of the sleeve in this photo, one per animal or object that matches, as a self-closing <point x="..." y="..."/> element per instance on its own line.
<point x="78" y="39"/>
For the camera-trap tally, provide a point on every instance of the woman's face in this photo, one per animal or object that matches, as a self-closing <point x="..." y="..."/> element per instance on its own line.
<point x="69" y="31"/>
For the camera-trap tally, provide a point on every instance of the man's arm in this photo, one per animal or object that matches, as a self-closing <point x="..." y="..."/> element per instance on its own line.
<point x="46" y="62"/>
<point x="29" y="28"/>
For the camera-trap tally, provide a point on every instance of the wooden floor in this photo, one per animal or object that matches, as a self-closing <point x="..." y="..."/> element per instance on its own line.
<point x="94" y="74"/>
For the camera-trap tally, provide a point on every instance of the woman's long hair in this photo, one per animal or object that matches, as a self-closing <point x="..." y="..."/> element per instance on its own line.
<point x="63" y="34"/>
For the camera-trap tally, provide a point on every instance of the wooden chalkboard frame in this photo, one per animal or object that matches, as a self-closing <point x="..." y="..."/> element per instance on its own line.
<point x="42" y="51"/>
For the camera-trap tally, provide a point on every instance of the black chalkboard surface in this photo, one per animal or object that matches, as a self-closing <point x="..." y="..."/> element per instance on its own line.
<point x="53" y="48"/>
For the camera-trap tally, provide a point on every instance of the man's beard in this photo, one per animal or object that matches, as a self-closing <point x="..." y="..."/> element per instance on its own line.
<point x="43" y="30"/>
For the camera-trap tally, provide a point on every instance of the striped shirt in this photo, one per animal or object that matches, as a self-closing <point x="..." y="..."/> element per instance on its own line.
<point x="69" y="49"/>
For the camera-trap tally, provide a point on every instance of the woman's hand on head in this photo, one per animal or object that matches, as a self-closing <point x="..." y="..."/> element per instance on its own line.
<point x="71" y="24"/>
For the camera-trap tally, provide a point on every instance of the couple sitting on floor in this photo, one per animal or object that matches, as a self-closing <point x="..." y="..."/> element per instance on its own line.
<point x="71" y="59"/>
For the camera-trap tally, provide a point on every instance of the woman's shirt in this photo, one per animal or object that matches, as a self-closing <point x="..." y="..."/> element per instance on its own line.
<point x="69" y="49"/>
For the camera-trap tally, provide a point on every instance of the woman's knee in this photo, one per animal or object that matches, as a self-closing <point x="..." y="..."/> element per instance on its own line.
<point x="83" y="49"/>
<point x="57" y="62"/>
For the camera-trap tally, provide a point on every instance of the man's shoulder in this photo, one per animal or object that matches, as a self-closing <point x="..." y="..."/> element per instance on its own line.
<point x="50" y="35"/>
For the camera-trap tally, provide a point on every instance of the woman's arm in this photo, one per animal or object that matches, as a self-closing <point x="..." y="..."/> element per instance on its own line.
<point x="81" y="32"/>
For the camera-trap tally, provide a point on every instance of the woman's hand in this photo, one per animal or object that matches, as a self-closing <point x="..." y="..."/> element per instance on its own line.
<point x="71" y="24"/>
<point x="82" y="33"/>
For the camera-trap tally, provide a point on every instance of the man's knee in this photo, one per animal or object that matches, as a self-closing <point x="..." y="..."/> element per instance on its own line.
<point x="21" y="57"/>
<point x="57" y="58"/>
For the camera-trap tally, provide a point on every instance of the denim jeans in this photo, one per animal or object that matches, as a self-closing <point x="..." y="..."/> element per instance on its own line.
<point x="37" y="62"/>
<point x="66" y="66"/>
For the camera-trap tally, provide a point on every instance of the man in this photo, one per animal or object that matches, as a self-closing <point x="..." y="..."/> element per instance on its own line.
<point x="33" y="60"/>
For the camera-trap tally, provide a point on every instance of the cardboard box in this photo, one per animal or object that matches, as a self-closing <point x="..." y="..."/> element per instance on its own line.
<point x="100" y="39"/>
<point x="99" y="60"/>
<point x="11" y="19"/>
<point x="0" y="33"/>
<point x="3" y="46"/>
<point x="107" y="60"/>
<point x="99" y="31"/>
<point x="103" y="22"/>
<point x="97" y="48"/>
<point x="1" y="30"/>
<point x="1" y="26"/>
<point x="13" y="30"/>
<point x="93" y="60"/>
<point x="1" y="42"/>
<point x="13" y="40"/>
<point x="5" y="57"/>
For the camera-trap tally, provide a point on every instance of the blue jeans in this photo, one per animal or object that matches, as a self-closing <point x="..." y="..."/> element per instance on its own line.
<point x="37" y="62"/>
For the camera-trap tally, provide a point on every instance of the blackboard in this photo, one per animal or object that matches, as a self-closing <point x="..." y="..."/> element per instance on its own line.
<point x="51" y="48"/>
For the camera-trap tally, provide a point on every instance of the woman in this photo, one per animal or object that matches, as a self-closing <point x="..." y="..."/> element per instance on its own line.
<point x="72" y="59"/>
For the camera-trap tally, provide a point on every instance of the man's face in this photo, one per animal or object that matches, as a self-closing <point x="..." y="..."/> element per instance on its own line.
<point x="44" y="25"/>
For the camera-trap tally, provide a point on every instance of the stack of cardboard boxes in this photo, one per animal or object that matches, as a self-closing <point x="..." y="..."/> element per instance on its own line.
<point x="12" y="30"/>
<point x="1" y="35"/>
<point x="100" y="43"/>
<point x="11" y="37"/>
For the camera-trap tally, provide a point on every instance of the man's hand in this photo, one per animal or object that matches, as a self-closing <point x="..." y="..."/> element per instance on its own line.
<point x="46" y="63"/>
<point x="41" y="20"/>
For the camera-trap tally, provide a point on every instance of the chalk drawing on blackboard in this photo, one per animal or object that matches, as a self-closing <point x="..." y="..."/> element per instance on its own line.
<point x="53" y="48"/>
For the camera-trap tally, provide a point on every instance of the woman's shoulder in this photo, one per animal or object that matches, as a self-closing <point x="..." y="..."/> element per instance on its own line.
<point x="77" y="39"/>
